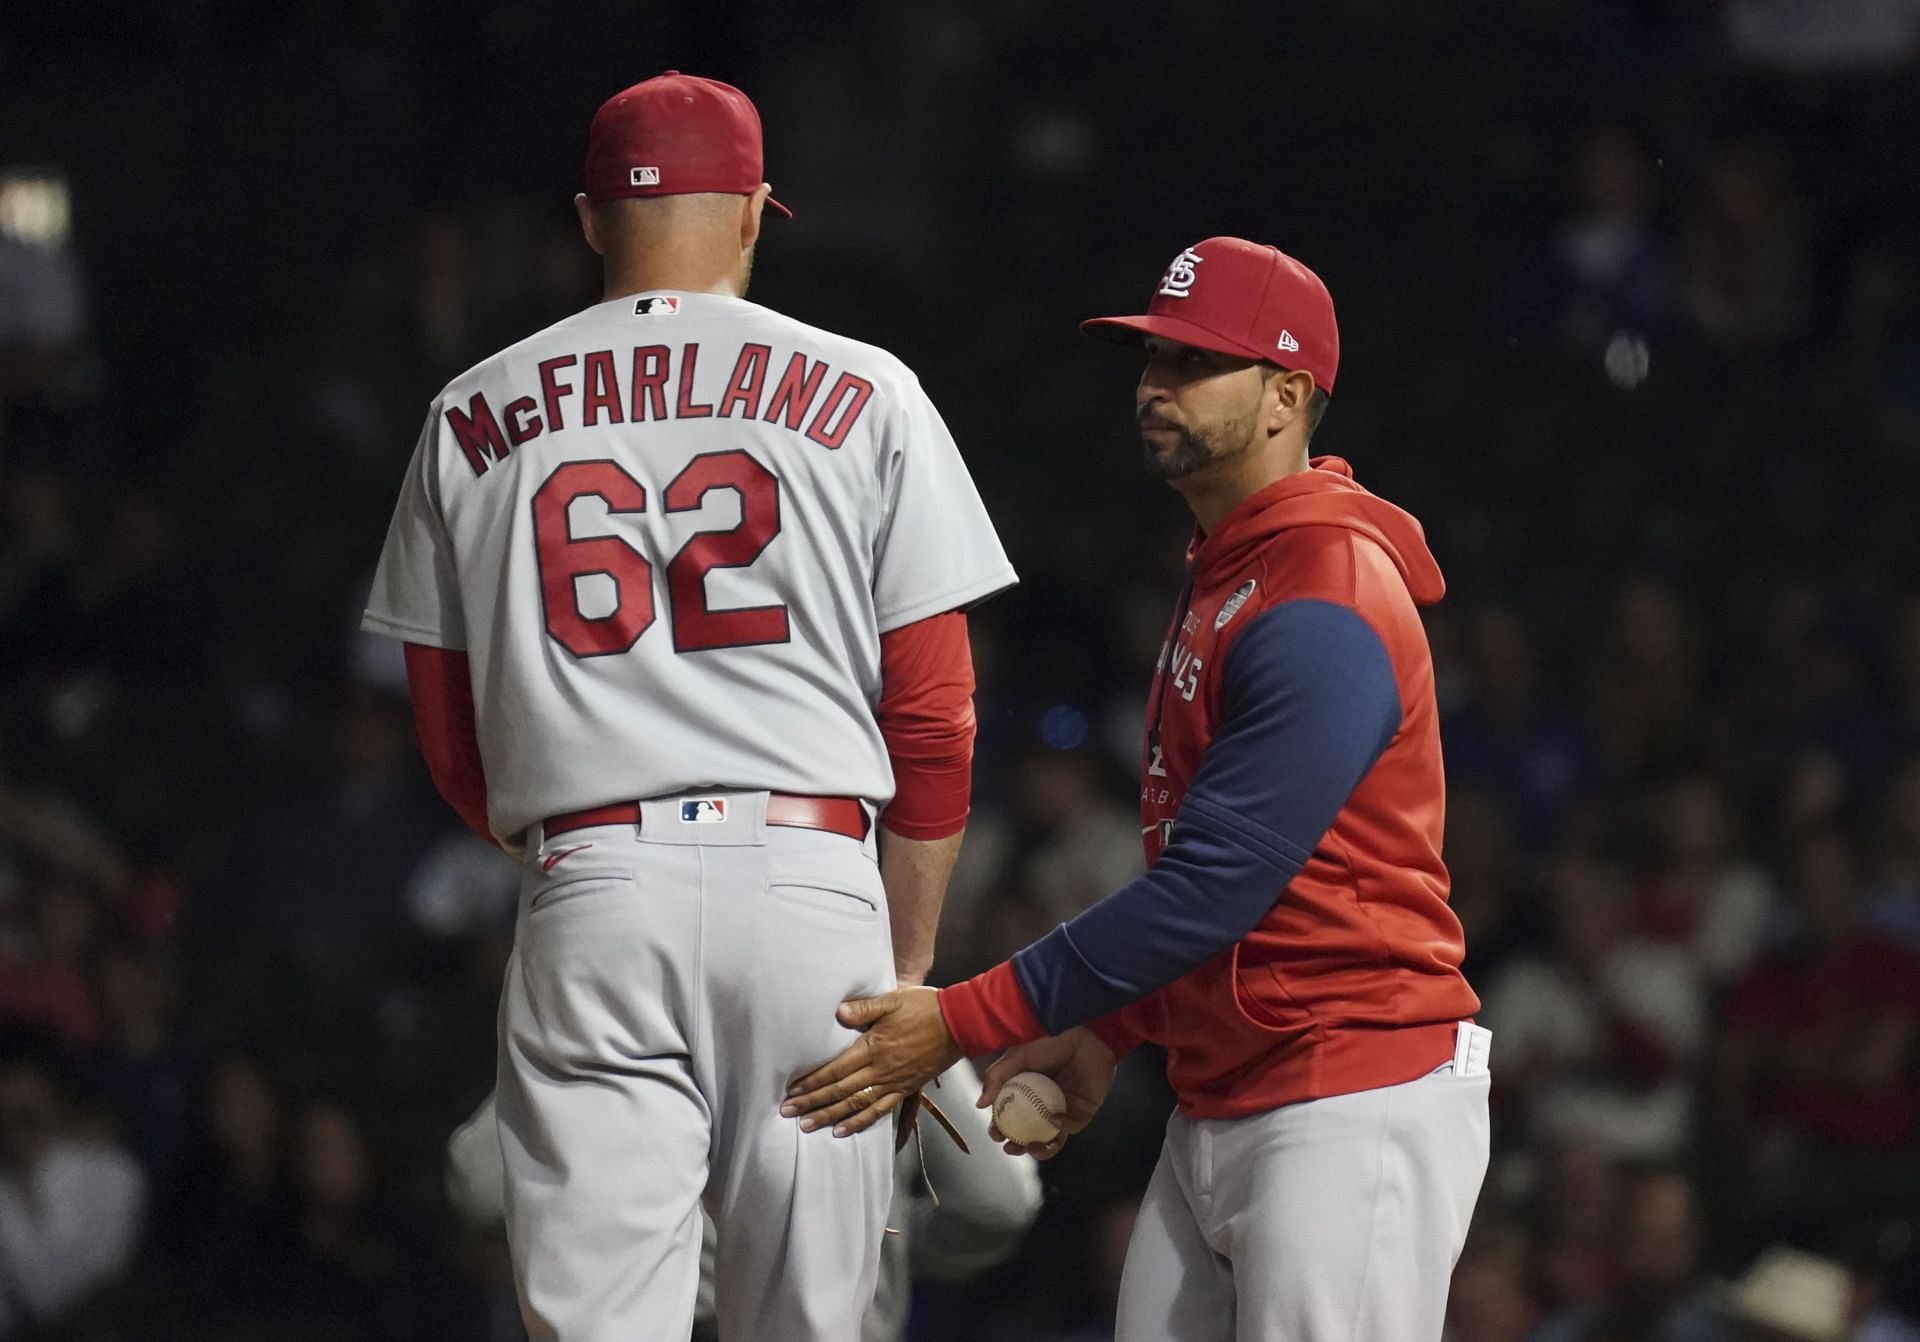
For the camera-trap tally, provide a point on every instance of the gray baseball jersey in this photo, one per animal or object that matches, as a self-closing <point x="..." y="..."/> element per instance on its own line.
<point x="668" y="532"/>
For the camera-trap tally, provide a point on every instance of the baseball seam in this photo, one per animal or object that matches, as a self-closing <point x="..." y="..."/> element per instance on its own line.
<point x="1040" y="1107"/>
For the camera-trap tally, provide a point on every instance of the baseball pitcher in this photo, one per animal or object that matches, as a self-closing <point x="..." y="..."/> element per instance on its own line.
<point x="681" y="581"/>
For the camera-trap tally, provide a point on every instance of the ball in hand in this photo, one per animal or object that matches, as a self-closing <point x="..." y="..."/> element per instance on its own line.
<point x="1029" y="1109"/>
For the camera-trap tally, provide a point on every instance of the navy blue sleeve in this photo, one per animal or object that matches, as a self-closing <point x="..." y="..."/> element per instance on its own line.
<point x="1309" y="703"/>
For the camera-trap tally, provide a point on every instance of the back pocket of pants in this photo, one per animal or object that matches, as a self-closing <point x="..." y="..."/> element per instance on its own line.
<point x="825" y="899"/>
<point x="575" y="887"/>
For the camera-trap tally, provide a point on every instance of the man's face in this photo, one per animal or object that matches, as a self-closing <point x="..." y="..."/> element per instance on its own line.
<point x="1195" y="407"/>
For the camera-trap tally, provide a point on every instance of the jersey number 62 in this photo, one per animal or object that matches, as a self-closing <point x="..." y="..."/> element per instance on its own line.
<point x="696" y="626"/>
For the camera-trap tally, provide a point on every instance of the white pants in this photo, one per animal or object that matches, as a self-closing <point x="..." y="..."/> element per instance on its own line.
<point x="1335" y="1220"/>
<point x="666" y="986"/>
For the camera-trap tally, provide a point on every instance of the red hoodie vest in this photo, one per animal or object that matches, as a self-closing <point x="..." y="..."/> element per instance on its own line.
<point x="1352" y="980"/>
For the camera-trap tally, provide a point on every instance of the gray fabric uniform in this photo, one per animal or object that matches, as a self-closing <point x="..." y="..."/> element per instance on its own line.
<point x="668" y="533"/>
<point x="1279" y="1227"/>
<point x="541" y="562"/>
<point x="665" y="988"/>
<point x="986" y="1203"/>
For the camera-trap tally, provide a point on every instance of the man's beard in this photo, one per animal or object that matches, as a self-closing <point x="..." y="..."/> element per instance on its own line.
<point x="1195" y="450"/>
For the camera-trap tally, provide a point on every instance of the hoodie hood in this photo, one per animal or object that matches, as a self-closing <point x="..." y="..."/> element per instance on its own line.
<point x="1326" y="495"/>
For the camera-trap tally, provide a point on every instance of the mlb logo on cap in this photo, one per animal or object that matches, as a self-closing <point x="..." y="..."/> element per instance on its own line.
<point x="675" y="135"/>
<point x="704" y="811"/>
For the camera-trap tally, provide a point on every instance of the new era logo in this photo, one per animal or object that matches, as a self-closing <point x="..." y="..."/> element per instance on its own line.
<point x="666" y="305"/>
<point x="704" y="811"/>
<point x="1288" y="343"/>
<point x="644" y="177"/>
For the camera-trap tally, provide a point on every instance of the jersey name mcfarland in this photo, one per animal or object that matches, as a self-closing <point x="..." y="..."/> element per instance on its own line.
<point x="650" y="383"/>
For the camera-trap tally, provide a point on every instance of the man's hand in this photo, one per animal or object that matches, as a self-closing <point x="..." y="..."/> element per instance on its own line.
<point x="905" y="1045"/>
<point x="1077" y="1060"/>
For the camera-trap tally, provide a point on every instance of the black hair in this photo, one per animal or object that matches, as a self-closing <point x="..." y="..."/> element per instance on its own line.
<point x="1316" y="410"/>
<point x="1316" y="404"/>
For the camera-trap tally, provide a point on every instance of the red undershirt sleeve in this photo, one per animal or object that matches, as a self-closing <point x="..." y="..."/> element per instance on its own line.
<point x="442" y="688"/>
<point x="926" y="718"/>
<point x="1116" y="1032"/>
<point x="990" y="1012"/>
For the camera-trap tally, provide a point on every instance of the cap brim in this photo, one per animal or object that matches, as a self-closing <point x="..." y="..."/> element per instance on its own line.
<point x="773" y="204"/>
<point x="1135" y="330"/>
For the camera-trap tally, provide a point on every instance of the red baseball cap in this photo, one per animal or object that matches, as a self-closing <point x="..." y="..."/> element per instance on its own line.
<point x="673" y="135"/>
<point x="1238" y="297"/>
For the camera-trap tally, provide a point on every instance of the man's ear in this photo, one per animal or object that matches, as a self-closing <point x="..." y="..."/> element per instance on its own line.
<point x="589" y="222"/>
<point x="756" y="205"/>
<point x="1292" y="393"/>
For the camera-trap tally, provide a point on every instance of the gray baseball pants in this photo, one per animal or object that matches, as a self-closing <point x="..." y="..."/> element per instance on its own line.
<point x="1333" y="1220"/>
<point x="668" y="982"/>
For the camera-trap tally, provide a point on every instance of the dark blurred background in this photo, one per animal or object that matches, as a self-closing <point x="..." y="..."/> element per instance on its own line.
<point x="1630" y="302"/>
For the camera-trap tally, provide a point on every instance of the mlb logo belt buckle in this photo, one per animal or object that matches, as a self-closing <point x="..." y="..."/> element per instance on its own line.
<point x="703" y="811"/>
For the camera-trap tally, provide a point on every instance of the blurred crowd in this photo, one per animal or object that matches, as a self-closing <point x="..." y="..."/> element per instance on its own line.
<point x="1631" y="302"/>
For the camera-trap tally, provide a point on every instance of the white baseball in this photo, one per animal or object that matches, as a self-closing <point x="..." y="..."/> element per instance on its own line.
<point x="1029" y="1108"/>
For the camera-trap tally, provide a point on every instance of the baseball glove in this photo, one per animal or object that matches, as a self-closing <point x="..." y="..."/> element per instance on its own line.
<point x="907" y="1118"/>
<point x="907" y="1125"/>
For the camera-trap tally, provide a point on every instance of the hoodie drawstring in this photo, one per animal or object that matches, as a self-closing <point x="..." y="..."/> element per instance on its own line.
<point x="1166" y="665"/>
